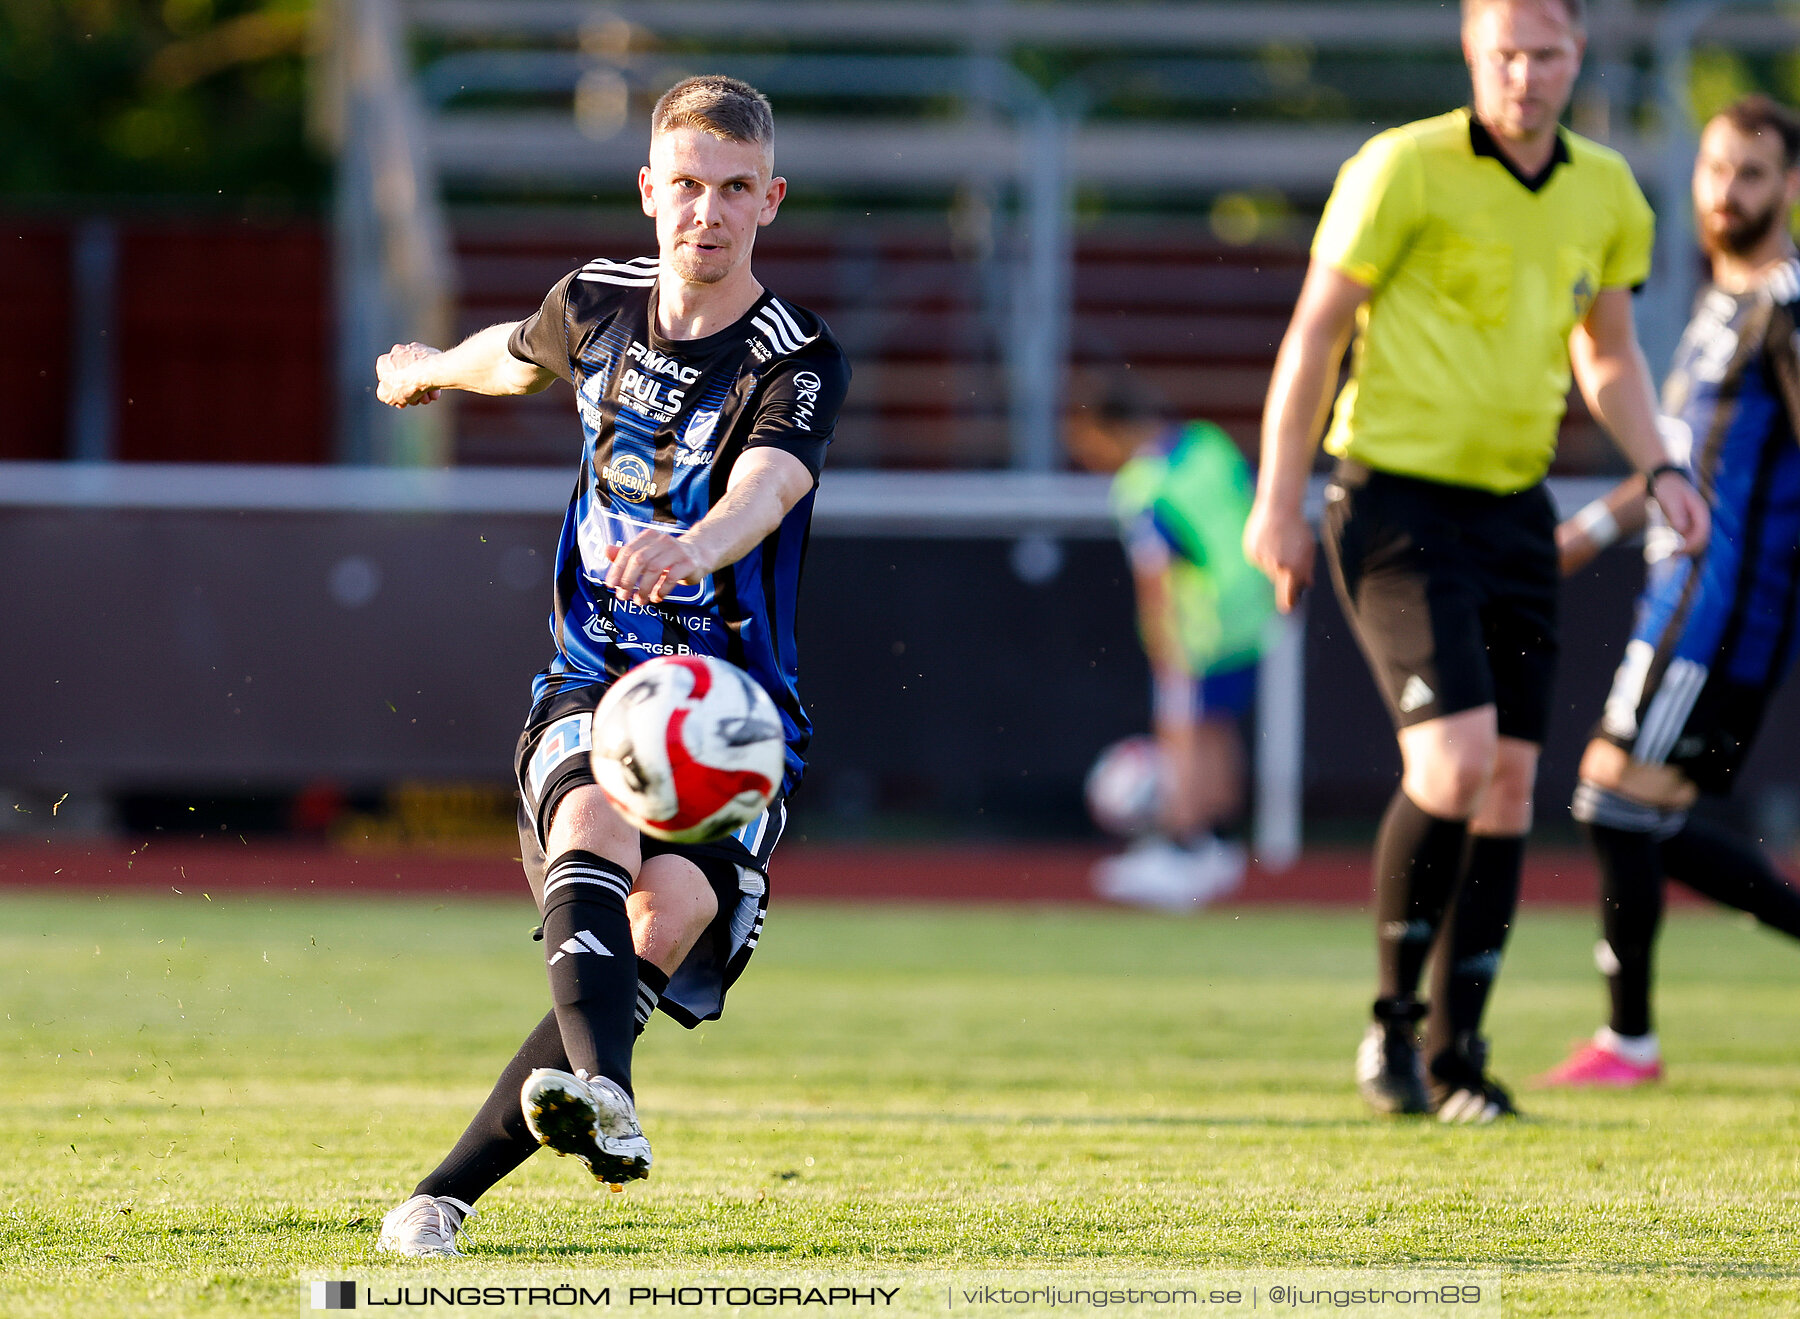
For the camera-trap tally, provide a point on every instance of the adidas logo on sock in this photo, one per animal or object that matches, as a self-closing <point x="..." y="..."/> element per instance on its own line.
<point x="1414" y="694"/>
<point x="583" y="941"/>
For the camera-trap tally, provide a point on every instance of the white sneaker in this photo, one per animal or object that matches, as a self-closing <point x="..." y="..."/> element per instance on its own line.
<point x="1165" y="877"/>
<point x="425" y="1225"/>
<point x="1217" y="867"/>
<point x="589" y="1117"/>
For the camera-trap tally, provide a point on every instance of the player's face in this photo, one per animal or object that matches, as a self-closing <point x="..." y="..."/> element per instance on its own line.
<point x="1742" y="191"/>
<point x="709" y="196"/>
<point x="1523" y="56"/>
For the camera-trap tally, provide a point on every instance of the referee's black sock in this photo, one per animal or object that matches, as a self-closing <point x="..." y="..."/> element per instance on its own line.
<point x="593" y="968"/>
<point x="1468" y="953"/>
<point x="1718" y="864"/>
<point x="1418" y="860"/>
<point x="497" y="1140"/>
<point x="1631" y="908"/>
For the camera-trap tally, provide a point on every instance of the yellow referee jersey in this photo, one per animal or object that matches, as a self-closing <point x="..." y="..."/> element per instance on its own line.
<point x="1478" y="276"/>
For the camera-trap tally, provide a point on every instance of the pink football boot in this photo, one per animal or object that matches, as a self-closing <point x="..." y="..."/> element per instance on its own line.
<point x="1593" y="1065"/>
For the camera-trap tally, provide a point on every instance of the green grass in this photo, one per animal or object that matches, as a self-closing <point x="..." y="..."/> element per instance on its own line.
<point x="201" y="1101"/>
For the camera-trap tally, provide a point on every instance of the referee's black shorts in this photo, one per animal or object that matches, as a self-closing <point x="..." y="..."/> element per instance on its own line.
<point x="1452" y="593"/>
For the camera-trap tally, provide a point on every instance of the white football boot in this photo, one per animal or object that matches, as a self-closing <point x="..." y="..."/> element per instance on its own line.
<point x="424" y="1226"/>
<point x="589" y="1117"/>
<point x="1163" y="877"/>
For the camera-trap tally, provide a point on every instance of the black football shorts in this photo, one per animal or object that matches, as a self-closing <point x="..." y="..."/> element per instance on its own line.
<point x="1452" y="593"/>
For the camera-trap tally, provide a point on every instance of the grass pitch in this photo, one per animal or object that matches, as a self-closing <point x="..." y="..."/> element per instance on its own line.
<point x="203" y="1100"/>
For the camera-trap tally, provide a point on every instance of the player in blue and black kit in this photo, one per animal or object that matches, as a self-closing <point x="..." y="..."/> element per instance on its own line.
<point x="1716" y="633"/>
<point x="706" y="405"/>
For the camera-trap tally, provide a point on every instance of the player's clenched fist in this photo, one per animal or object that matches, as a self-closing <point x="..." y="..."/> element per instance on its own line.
<point x="646" y="566"/>
<point x="1684" y="507"/>
<point x="403" y="379"/>
<point x="1282" y="545"/>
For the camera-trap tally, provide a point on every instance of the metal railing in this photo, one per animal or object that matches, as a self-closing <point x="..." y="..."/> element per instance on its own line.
<point x="976" y="124"/>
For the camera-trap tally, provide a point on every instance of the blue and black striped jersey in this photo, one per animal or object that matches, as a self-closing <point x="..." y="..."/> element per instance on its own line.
<point x="662" y="423"/>
<point x="1731" y="404"/>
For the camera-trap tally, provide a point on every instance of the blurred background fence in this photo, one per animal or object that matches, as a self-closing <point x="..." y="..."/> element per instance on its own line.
<point x="218" y="211"/>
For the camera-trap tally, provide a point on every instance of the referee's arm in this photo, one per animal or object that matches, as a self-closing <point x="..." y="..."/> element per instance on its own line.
<point x="1614" y="379"/>
<point x="1277" y="538"/>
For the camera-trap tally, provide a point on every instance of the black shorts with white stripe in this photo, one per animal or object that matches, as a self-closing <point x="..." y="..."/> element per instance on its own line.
<point x="1684" y="714"/>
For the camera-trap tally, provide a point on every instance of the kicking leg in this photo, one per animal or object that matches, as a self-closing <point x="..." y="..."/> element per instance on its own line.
<point x="1718" y="864"/>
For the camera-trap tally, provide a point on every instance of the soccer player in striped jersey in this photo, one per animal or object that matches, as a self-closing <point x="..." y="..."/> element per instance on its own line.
<point x="706" y="404"/>
<point x="1714" y="634"/>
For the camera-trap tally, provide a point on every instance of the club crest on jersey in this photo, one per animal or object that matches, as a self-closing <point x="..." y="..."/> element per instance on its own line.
<point x="629" y="476"/>
<point x="695" y="445"/>
<point x="1583" y="294"/>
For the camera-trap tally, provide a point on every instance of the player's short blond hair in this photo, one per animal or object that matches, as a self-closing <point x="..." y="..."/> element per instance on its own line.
<point x="715" y="104"/>
<point x="1575" y="9"/>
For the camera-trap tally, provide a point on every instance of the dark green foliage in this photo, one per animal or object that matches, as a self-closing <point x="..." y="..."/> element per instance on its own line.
<point x="166" y="98"/>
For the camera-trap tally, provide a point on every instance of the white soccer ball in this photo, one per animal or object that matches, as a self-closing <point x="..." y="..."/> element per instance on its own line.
<point x="688" y="748"/>
<point x="1125" y="787"/>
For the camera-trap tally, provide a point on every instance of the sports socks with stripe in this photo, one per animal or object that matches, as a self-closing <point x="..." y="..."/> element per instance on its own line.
<point x="497" y="1139"/>
<point x="1418" y="860"/>
<point x="652" y="981"/>
<point x="1627" y="837"/>
<point x="1631" y="909"/>
<point x="1467" y="958"/>
<point x="1636" y="845"/>
<point x="592" y="966"/>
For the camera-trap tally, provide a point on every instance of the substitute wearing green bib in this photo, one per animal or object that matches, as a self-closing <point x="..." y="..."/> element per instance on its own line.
<point x="1180" y="494"/>
<point x="1183" y="507"/>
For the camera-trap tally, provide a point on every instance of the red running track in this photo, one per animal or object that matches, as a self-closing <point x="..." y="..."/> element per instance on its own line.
<point x="835" y="872"/>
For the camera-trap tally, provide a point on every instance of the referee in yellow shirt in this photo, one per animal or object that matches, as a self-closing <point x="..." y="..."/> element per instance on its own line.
<point x="1479" y="256"/>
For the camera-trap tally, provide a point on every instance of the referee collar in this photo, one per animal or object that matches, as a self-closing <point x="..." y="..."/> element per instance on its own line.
<point x="1482" y="143"/>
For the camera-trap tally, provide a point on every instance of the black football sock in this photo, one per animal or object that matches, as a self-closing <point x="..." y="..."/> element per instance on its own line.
<point x="1469" y="950"/>
<point x="1631" y="907"/>
<point x="593" y="969"/>
<point x="497" y="1140"/>
<point x="652" y="981"/>
<point x="1720" y="865"/>
<point x="1418" y="859"/>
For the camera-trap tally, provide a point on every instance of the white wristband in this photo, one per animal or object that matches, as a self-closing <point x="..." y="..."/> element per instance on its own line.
<point x="1597" y="523"/>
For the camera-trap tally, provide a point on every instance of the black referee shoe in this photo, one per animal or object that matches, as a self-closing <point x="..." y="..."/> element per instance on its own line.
<point x="1387" y="1064"/>
<point x="1461" y="1089"/>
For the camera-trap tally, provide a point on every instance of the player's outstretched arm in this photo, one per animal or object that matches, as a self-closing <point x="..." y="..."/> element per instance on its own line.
<point x="765" y="483"/>
<point x="1615" y="381"/>
<point x="414" y="373"/>
<point x="1277" y="538"/>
